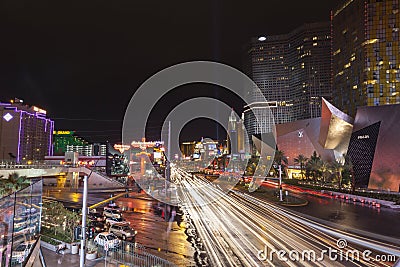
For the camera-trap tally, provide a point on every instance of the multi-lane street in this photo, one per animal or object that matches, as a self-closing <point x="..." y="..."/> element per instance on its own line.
<point x="239" y="230"/>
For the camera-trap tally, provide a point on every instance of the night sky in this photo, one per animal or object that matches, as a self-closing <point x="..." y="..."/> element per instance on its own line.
<point x="83" y="60"/>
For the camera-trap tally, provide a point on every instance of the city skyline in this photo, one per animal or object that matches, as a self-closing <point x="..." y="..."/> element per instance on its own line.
<point x="213" y="133"/>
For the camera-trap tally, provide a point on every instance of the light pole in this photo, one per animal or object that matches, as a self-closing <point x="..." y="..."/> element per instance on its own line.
<point x="280" y="183"/>
<point x="84" y="214"/>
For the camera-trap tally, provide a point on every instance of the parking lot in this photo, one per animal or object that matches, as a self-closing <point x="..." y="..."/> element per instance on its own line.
<point x="146" y="218"/>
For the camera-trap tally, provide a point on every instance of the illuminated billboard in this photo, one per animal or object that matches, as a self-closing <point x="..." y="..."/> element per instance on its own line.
<point x="116" y="162"/>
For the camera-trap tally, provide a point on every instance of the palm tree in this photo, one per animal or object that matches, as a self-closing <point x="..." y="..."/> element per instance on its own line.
<point x="337" y="169"/>
<point x="314" y="166"/>
<point x="348" y="165"/>
<point x="280" y="158"/>
<point x="3" y="187"/>
<point x="324" y="167"/>
<point x="13" y="183"/>
<point x="301" y="160"/>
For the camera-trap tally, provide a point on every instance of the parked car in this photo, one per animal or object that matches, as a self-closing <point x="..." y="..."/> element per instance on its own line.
<point x="109" y="238"/>
<point x="123" y="231"/>
<point x="112" y="213"/>
<point x="111" y="221"/>
<point x="99" y="227"/>
<point x="112" y="206"/>
<point x="96" y="216"/>
<point x="22" y="251"/>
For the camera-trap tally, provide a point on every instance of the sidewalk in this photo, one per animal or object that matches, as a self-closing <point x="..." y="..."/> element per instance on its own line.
<point x="53" y="259"/>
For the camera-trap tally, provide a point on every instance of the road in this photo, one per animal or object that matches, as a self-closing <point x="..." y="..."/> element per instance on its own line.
<point x="239" y="230"/>
<point x="350" y="215"/>
<point x="161" y="238"/>
<point x="73" y="199"/>
<point x="346" y="214"/>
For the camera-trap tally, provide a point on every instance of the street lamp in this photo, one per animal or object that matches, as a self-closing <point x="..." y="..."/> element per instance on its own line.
<point x="280" y="183"/>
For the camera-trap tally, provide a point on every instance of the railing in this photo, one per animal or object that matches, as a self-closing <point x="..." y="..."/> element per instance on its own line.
<point x="102" y="174"/>
<point x="133" y="254"/>
<point x="10" y="165"/>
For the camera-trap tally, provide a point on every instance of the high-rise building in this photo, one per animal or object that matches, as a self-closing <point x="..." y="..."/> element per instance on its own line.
<point x="366" y="56"/>
<point x="88" y="150"/>
<point x="25" y="132"/>
<point x="232" y="133"/>
<point x="62" y="139"/>
<point x="236" y="143"/>
<point x="67" y="141"/>
<point x="293" y="71"/>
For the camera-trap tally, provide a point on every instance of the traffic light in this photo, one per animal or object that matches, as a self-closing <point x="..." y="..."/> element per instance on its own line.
<point x="91" y="233"/>
<point x="78" y="233"/>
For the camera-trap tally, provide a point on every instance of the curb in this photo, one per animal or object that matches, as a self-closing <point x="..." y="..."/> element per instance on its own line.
<point x="295" y="205"/>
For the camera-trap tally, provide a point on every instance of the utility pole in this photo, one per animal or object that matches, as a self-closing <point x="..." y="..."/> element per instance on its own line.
<point x="84" y="215"/>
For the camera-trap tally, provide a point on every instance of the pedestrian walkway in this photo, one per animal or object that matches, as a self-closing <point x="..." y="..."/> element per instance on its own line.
<point x="53" y="259"/>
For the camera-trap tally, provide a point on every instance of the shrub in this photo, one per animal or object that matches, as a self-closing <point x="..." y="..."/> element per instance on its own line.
<point x="50" y="240"/>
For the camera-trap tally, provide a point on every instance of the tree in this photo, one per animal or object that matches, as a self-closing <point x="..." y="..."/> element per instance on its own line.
<point x="13" y="183"/>
<point x="348" y="167"/>
<point x="337" y="169"/>
<point x="325" y="169"/>
<point x="60" y="221"/>
<point x="72" y="220"/>
<point x="280" y="158"/>
<point x="53" y="215"/>
<point x="314" y="165"/>
<point x="301" y="160"/>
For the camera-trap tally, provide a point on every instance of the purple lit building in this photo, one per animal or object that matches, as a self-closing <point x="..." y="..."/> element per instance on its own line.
<point x="25" y="133"/>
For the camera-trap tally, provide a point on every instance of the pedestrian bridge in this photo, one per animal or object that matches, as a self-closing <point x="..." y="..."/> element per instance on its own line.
<point x="96" y="179"/>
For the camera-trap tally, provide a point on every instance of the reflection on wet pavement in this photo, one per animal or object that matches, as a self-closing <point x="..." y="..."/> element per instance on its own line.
<point x="382" y="221"/>
<point x="164" y="239"/>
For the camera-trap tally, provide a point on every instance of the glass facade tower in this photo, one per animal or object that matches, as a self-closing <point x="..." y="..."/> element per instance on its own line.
<point x="366" y="58"/>
<point x="293" y="71"/>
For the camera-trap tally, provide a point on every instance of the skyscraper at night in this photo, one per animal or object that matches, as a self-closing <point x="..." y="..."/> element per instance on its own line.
<point x="366" y="56"/>
<point x="25" y="132"/>
<point x="293" y="71"/>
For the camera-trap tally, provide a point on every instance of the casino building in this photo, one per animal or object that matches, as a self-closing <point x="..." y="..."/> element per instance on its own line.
<point x="25" y="132"/>
<point x="370" y="140"/>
